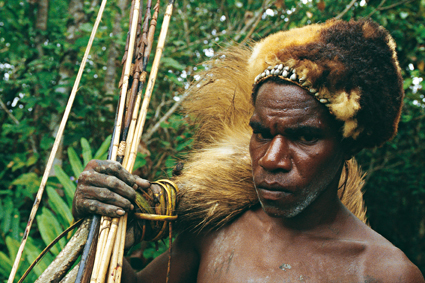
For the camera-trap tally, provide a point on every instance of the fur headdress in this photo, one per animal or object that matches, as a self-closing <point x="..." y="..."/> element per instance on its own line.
<point x="351" y="67"/>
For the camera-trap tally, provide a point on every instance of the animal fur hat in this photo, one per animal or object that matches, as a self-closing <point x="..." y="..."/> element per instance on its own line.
<point x="351" y="67"/>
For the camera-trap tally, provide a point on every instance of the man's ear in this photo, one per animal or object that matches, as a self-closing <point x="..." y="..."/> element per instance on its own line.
<point x="350" y="148"/>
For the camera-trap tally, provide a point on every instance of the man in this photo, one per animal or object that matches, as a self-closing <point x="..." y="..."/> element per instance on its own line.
<point x="321" y="93"/>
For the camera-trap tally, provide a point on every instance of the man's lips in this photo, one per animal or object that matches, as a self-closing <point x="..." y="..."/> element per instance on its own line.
<point x="273" y="192"/>
<point x="273" y="195"/>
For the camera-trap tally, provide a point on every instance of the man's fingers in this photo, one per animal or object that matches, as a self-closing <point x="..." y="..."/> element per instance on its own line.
<point x="142" y="183"/>
<point x="115" y="169"/>
<point x="95" y="179"/>
<point x="95" y="207"/>
<point x="108" y="197"/>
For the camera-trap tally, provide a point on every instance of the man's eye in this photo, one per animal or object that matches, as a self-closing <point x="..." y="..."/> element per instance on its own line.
<point x="262" y="136"/>
<point x="308" y="138"/>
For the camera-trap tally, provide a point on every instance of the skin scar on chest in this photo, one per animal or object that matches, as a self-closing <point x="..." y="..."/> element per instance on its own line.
<point x="225" y="264"/>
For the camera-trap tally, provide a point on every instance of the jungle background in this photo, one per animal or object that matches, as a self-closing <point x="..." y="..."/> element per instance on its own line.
<point x="43" y="41"/>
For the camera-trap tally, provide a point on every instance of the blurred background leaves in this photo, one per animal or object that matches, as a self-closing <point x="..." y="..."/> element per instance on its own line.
<point x="42" y="43"/>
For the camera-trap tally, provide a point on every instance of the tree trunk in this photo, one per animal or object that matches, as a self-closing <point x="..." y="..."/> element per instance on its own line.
<point x="76" y="9"/>
<point x="113" y="56"/>
<point x="41" y="24"/>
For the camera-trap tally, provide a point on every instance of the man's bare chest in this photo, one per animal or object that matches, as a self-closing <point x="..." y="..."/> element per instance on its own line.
<point x="236" y="258"/>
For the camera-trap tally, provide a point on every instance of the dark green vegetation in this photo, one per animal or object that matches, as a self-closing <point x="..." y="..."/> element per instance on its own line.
<point x="42" y="42"/>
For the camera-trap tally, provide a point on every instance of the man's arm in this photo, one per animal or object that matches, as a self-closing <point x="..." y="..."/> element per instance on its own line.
<point x="392" y="265"/>
<point x="106" y="188"/>
<point x="184" y="264"/>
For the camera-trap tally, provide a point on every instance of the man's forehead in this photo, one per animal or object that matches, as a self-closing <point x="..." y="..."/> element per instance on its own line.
<point x="273" y="97"/>
<point x="286" y="106"/>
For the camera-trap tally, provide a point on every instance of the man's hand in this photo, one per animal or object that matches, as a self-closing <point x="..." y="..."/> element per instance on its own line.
<point x="105" y="188"/>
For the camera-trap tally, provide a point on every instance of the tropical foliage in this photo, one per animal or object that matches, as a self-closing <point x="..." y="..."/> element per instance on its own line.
<point x="41" y="45"/>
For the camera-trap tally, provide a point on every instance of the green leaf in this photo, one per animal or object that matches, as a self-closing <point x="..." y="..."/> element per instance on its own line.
<point x="32" y="159"/>
<point x="49" y="228"/>
<point x="59" y="207"/>
<point x="18" y="163"/>
<point x="14" y="226"/>
<point x="87" y="155"/>
<point x="140" y="161"/>
<point x="171" y="63"/>
<point x="7" y="215"/>
<point x="30" y="181"/>
<point x="76" y="164"/>
<point x="103" y="148"/>
<point x="67" y="184"/>
<point x="87" y="27"/>
<point x="407" y="83"/>
<point x="12" y="246"/>
<point x="6" y="263"/>
<point x="184" y="144"/>
<point x="32" y="252"/>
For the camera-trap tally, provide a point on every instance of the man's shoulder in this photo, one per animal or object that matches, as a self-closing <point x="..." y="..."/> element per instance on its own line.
<point x="384" y="262"/>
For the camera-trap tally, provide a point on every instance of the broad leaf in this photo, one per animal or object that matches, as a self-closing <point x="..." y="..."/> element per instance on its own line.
<point x="87" y="155"/>
<point x="76" y="165"/>
<point x="59" y="207"/>
<point x="50" y="228"/>
<point x="103" y="148"/>
<point x="67" y="184"/>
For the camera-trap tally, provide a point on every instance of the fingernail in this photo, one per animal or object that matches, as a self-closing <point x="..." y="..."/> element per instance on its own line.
<point x="120" y="212"/>
<point x="131" y="207"/>
<point x="135" y="187"/>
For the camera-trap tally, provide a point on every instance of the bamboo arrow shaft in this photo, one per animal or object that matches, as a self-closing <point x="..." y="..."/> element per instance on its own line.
<point x="150" y="85"/>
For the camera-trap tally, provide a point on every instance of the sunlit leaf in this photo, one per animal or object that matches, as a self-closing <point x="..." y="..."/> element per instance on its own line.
<point x="76" y="164"/>
<point x="87" y="155"/>
<point x="103" y="148"/>
<point x="59" y="206"/>
<point x="66" y="182"/>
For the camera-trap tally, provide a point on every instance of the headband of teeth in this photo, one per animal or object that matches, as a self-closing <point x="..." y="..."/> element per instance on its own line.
<point x="289" y="74"/>
<point x="351" y="67"/>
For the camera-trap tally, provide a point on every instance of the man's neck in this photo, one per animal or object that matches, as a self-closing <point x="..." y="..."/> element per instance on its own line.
<point x="322" y="218"/>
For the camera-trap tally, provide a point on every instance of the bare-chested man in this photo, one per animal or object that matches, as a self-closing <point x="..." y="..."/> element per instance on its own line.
<point x="313" y="110"/>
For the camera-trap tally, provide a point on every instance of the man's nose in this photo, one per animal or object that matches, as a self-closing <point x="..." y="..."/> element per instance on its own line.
<point x="277" y="156"/>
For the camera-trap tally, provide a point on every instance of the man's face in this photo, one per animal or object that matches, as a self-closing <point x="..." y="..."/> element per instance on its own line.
<point x="295" y="149"/>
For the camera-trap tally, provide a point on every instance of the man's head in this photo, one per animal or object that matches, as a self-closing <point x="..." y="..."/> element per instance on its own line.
<point x="342" y="92"/>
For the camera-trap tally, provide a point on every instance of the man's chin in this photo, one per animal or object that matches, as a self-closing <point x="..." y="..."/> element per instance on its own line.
<point x="279" y="212"/>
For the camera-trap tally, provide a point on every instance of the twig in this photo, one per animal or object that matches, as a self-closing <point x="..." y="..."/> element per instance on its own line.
<point x="208" y="37"/>
<point x="346" y="9"/>
<point x="380" y="8"/>
<point x="395" y="4"/>
<point x="34" y="148"/>
<point x="251" y="31"/>
<point x="185" y="25"/>
<point x="252" y="21"/>
<point x="8" y="112"/>
<point x="56" y="145"/>
<point x="155" y="128"/>
<point x="377" y="8"/>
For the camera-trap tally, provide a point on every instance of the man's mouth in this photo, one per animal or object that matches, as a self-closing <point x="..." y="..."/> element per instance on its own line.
<point x="273" y="192"/>
<point x="273" y="195"/>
